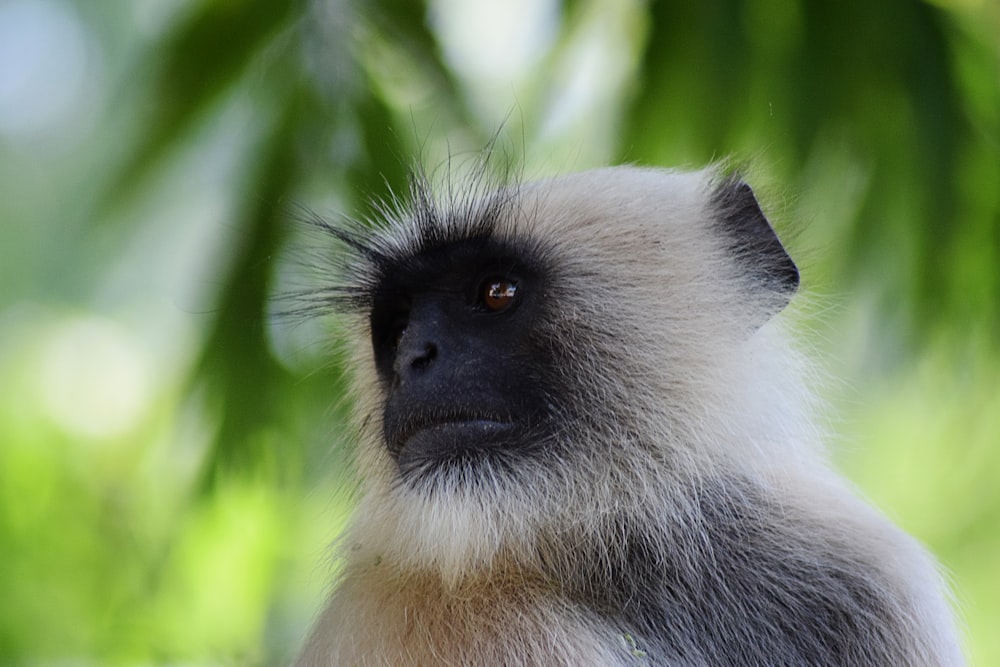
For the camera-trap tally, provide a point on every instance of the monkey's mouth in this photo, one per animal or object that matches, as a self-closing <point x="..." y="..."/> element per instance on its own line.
<point x="446" y="435"/>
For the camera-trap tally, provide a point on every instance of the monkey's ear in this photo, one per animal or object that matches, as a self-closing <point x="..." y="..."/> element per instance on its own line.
<point x="770" y="273"/>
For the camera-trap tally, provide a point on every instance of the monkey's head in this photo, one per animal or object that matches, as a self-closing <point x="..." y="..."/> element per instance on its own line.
<point x="545" y="355"/>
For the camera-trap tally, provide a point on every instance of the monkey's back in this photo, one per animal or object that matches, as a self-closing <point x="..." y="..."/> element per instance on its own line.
<point x="755" y="578"/>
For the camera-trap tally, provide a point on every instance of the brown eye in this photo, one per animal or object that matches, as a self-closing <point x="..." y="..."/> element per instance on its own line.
<point x="498" y="294"/>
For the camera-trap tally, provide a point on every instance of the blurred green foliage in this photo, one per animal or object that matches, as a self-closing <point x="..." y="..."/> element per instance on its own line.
<point x="173" y="459"/>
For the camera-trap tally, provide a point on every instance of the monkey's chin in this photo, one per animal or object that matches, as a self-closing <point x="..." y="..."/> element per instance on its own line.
<point x="455" y="444"/>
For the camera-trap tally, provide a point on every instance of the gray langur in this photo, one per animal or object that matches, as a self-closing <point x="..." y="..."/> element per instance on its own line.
<point x="585" y="441"/>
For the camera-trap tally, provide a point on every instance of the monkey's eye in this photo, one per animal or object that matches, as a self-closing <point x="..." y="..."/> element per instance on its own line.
<point x="498" y="294"/>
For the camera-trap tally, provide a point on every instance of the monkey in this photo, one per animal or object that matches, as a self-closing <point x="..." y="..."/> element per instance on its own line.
<point x="584" y="437"/>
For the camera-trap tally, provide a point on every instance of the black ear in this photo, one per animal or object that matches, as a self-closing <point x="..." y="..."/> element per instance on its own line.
<point x="771" y="274"/>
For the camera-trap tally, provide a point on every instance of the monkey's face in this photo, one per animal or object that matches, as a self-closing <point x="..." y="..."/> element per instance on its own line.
<point x="558" y="338"/>
<point x="463" y="372"/>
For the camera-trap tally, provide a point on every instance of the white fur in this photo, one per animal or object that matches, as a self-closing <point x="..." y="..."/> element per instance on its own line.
<point x="452" y="576"/>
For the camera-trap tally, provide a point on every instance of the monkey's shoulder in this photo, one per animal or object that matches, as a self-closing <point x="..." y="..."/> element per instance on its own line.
<point x="750" y="580"/>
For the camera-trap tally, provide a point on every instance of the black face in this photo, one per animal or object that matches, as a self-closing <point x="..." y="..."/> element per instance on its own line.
<point x="454" y="335"/>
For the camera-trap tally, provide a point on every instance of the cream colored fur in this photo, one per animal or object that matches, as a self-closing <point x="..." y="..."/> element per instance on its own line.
<point x="453" y="576"/>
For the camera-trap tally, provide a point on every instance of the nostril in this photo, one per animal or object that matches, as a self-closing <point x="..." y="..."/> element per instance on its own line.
<point x="423" y="359"/>
<point x="413" y="356"/>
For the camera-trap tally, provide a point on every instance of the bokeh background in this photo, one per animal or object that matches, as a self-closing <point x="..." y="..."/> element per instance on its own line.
<point x="173" y="455"/>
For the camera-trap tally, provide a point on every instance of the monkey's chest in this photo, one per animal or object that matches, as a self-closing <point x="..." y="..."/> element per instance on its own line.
<point x="385" y="620"/>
